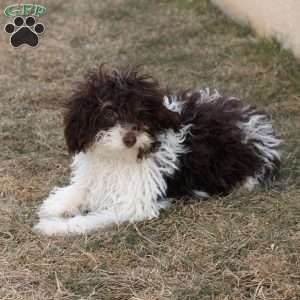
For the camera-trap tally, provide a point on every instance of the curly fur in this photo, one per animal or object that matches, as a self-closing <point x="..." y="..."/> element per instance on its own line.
<point x="107" y="97"/>
<point x="134" y="146"/>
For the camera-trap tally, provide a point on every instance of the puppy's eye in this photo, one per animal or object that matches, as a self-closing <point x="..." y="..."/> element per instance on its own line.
<point x="109" y="114"/>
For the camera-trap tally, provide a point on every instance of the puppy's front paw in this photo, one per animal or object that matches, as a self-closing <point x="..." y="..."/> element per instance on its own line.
<point x="56" y="209"/>
<point x="50" y="227"/>
<point x="48" y="210"/>
<point x="44" y="227"/>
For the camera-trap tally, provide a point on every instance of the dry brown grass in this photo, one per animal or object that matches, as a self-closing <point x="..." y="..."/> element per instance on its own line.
<point x="246" y="246"/>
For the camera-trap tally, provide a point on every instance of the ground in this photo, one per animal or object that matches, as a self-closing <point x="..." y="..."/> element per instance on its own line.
<point x="244" y="246"/>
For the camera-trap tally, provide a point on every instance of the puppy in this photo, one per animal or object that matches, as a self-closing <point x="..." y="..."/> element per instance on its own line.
<point x="134" y="146"/>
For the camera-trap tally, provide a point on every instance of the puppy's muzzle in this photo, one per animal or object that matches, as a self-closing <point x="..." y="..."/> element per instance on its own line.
<point x="129" y="139"/>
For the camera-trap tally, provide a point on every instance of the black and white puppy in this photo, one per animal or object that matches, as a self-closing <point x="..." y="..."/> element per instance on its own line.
<point x="135" y="146"/>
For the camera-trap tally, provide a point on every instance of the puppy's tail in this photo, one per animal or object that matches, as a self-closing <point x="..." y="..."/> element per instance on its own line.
<point x="76" y="225"/>
<point x="259" y="131"/>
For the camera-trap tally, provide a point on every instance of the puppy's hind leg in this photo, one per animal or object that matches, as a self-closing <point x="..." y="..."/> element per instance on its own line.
<point x="63" y="202"/>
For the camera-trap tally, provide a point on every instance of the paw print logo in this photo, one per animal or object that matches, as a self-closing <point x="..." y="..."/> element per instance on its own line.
<point x="24" y="31"/>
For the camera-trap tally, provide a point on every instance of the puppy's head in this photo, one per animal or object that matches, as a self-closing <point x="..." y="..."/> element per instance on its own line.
<point x="117" y="110"/>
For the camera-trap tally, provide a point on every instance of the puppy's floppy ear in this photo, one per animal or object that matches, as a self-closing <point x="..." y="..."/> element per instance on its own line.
<point x="74" y="123"/>
<point x="168" y="119"/>
<point x="80" y="122"/>
<point x="82" y="118"/>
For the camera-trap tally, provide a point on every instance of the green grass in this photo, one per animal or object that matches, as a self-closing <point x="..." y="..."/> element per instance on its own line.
<point x="245" y="246"/>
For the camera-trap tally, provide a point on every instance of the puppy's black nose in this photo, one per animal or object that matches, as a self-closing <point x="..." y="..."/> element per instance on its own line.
<point x="129" y="139"/>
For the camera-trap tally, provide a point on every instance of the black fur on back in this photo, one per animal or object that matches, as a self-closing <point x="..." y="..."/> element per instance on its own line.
<point x="219" y="159"/>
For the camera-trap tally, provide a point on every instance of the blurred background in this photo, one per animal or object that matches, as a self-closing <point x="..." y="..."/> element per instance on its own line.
<point x="245" y="246"/>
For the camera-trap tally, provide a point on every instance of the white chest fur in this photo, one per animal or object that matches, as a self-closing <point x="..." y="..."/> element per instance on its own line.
<point x="120" y="183"/>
